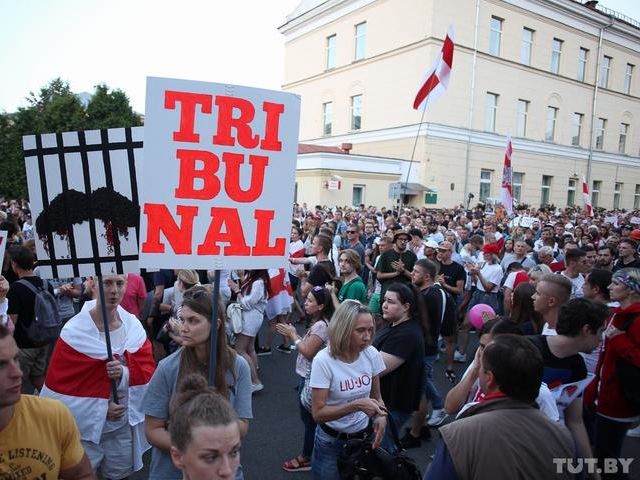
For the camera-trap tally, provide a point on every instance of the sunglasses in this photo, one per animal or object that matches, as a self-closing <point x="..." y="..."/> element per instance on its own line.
<point x="351" y="231"/>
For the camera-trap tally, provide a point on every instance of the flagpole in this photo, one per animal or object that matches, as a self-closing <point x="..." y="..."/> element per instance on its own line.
<point x="213" y="351"/>
<point x="413" y="152"/>
<point x="107" y="335"/>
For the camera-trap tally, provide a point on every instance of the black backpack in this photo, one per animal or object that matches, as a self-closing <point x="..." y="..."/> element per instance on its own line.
<point x="46" y="324"/>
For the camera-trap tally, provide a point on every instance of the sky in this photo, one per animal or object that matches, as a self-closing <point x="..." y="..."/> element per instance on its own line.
<point x="121" y="42"/>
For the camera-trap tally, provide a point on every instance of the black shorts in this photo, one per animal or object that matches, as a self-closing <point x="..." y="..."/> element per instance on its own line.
<point x="449" y="326"/>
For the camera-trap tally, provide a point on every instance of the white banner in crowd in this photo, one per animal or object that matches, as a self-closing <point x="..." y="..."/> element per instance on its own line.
<point x="219" y="175"/>
<point x="3" y="243"/>
<point x="84" y="200"/>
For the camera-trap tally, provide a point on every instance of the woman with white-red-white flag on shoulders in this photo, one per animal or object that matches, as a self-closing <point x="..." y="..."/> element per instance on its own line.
<point x="80" y="376"/>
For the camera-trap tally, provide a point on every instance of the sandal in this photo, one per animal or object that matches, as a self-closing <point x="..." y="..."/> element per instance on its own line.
<point x="297" y="464"/>
<point x="451" y="375"/>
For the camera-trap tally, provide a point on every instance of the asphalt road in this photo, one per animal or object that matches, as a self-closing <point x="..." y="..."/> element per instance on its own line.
<point x="275" y="433"/>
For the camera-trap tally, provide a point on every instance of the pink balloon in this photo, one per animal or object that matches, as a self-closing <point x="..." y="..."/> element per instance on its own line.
<point x="475" y="314"/>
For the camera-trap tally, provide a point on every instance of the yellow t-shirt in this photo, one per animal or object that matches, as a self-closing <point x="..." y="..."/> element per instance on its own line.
<point x="40" y="440"/>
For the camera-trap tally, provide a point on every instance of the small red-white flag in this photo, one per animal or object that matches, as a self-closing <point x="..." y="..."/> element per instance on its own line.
<point x="437" y="79"/>
<point x="587" y="197"/>
<point x="506" y="189"/>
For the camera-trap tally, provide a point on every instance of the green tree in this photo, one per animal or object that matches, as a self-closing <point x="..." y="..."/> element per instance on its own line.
<point x="110" y="110"/>
<point x="55" y="108"/>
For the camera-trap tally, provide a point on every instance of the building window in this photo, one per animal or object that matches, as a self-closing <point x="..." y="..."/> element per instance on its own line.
<point x="546" y="189"/>
<point x="617" y="193"/>
<point x="595" y="193"/>
<point x="555" y="55"/>
<point x="636" y="198"/>
<point x="628" y="75"/>
<point x="491" y="107"/>
<point x="571" y="192"/>
<point x="361" y="36"/>
<point x="327" y="118"/>
<point x="601" y="124"/>
<point x="356" y="112"/>
<point x="604" y="72"/>
<point x="331" y="52"/>
<point x="550" y="131"/>
<point x="485" y="184"/>
<point x="622" y="141"/>
<point x="582" y="64"/>
<point x="495" y="36"/>
<point x="357" y="196"/>
<point x="527" y="46"/>
<point x="521" y="121"/>
<point x="576" y="128"/>
<point x="516" y="186"/>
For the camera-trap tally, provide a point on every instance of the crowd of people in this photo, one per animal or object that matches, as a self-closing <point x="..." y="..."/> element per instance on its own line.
<point x="371" y="299"/>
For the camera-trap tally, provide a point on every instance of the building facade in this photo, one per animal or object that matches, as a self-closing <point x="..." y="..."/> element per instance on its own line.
<point x="558" y="76"/>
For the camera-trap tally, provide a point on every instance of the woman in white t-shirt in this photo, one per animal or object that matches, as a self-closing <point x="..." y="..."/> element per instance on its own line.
<point x="346" y="388"/>
<point x="319" y="307"/>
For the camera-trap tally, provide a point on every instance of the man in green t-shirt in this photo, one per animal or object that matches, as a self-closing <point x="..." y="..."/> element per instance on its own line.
<point x="353" y="287"/>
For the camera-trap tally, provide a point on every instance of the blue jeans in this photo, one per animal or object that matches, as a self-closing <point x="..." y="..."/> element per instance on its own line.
<point x="326" y="450"/>
<point x="399" y="418"/>
<point x="309" y="425"/>
<point x="430" y="389"/>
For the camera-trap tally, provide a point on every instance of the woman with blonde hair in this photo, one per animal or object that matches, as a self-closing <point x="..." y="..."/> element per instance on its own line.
<point x="232" y="377"/>
<point x="346" y="400"/>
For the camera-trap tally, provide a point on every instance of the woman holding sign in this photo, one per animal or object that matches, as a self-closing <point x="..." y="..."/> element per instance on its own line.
<point x="232" y="378"/>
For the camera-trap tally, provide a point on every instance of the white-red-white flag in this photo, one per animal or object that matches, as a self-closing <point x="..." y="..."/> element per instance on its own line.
<point x="587" y="197"/>
<point x="437" y="79"/>
<point x="506" y="189"/>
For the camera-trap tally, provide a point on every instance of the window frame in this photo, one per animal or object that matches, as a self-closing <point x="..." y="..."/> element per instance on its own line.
<point x="352" y="124"/>
<point x="581" y="74"/>
<point x="605" y="70"/>
<point x="526" y="49"/>
<point x="490" y="111"/>
<point x="571" y="191"/>
<point x="545" y="190"/>
<point x="553" y="121"/>
<point x="327" y="111"/>
<point x="601" y="127"/>
<point x="360" y="42"/>
<point x="556" y="55"/>
<point x="330" y="48"/>
<point x="578" y="125"/>
<point x="522" y="117"/>
<point x="495" y="36"/>
<point x="486" y="183"/>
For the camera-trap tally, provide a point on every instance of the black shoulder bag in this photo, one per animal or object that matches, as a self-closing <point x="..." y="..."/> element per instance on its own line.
<point x="360" y="461"/>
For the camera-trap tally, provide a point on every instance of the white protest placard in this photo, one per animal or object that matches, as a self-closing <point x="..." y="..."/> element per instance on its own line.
<point x="219" y="175"/>
<point x="635" y="220"/>
<point x="3" y="243"/>
<point x="83" y="192"/>
<point x="612" y="220"/>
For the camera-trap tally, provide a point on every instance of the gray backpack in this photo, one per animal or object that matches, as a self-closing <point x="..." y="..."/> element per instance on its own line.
<point x="46" y="324"/>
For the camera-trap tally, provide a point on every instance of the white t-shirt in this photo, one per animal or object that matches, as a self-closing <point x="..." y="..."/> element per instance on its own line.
<point x="576" y="285"/>
<point x="491" y="273"/>
<point x="548" y="331"/>
<point x="546" y="401"/>
<point x="346" y="382"/>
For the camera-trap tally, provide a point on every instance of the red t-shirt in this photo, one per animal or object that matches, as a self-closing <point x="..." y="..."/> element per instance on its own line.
<point x="135" y="290"/>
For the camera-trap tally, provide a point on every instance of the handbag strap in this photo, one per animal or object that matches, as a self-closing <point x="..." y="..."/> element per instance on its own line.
<point x="394" y="431"/>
